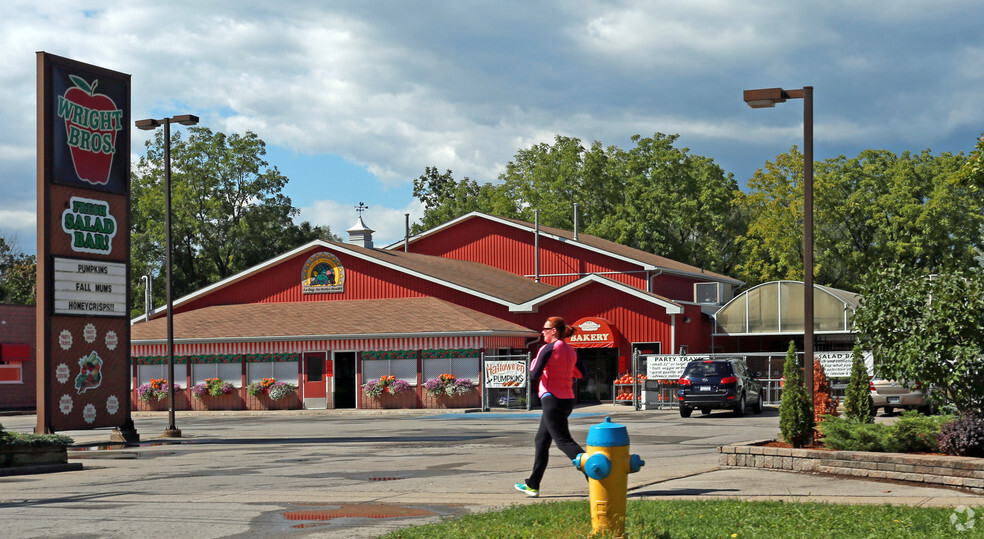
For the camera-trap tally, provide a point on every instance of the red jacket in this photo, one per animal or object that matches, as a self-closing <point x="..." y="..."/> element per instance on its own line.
<point x="556" y="366"/>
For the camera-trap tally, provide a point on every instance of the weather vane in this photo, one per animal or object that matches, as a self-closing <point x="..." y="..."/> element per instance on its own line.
<point x="361" y="208"/>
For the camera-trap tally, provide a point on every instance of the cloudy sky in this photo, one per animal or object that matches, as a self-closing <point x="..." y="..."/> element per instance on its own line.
<point x="355" y="98"/>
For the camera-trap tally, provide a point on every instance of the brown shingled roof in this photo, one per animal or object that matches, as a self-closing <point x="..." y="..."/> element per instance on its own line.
<point x="473" y="276"/>
<point x="370" y="317"/>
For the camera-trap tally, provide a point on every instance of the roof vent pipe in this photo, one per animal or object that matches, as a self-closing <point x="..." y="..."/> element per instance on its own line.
<point x="536" y="245"/>
<point x="406" y="233"/>
<point x="575" y="221"/>
<point x="148" y="281"/>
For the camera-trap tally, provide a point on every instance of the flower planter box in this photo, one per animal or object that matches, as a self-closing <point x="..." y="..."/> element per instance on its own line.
<point x="32" y="456"/>
<point x="472" y="399"/>
<point x="153" y="405"/>
<point x="229" y="401"/>
<point x="407" y="399"/>
<point x="180" y="402"/>
<point x="264" y="402"/>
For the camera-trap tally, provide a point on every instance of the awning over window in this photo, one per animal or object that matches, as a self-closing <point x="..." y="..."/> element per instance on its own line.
<point x="594" y="332"/>
<point x="15" y="352"/>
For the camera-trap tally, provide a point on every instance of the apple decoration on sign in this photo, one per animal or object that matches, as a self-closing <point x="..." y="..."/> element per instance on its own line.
<point x="91" y="123"/>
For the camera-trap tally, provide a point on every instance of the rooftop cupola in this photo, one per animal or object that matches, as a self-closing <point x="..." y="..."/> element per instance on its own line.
<point x="360" y="234"/>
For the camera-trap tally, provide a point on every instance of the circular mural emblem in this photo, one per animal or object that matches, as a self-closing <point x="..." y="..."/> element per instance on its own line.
<point x="112" y="405"/>
<point x="90" y="373"/>
<point x="65" y="339"/>
<point x="62" y="373"/>
<point x="89" y="333"/>
<point x="65" y="404"/>
<point x="323" y="273"/>
<point x="89" y="413"/>
<point x="112" y="340"/>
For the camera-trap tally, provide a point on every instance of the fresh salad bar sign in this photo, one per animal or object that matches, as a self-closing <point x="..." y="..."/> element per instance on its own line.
<point x="83" y="246"/>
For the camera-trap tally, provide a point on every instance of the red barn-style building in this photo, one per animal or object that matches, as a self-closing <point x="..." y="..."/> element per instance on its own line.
<point x="332" y="316"/>
<point x="18" y="368"/>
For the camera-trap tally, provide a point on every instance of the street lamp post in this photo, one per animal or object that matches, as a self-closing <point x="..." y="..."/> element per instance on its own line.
<point x="765" y="98"/>
<point x="148" y="125"/>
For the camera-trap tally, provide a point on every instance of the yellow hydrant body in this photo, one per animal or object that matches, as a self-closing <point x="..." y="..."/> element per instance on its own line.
<point x="608" y="464"/>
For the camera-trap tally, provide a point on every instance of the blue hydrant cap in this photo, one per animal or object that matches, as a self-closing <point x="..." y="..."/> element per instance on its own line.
<point x="608" y="434"/>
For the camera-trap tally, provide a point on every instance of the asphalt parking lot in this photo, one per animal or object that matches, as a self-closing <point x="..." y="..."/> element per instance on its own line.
<point x="362" y="473"/>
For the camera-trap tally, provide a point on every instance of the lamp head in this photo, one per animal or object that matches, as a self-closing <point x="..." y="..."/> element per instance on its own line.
<point x="185" y="119"/>
<point x="148" y="124"/>
<point x="765" y="97"/>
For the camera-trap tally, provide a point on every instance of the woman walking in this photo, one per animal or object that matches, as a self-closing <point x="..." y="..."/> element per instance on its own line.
<point x="555" y="367"/>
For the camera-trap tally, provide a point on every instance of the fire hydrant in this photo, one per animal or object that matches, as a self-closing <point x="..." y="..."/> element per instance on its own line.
<point x="608" y="464"/>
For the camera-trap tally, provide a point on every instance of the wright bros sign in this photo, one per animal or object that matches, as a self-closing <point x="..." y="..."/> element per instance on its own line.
<point x="83" y="333"/>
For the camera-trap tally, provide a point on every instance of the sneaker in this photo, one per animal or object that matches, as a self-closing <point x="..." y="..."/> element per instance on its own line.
<point x="531" y="492"/>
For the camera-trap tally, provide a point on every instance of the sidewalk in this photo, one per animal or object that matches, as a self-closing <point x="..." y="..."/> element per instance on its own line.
<point x="252" y="471"/>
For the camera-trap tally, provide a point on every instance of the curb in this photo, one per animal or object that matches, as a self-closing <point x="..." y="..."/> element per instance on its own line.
<point x="962" y="473"/>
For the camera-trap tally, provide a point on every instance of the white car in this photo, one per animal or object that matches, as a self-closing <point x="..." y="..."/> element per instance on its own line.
<point x="890" y="394"/>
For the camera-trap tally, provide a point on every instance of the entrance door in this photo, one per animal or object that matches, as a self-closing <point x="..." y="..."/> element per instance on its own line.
<point x="602" y="367"/>
<point x="344" y="379"/>
<point x="314" y="378"/>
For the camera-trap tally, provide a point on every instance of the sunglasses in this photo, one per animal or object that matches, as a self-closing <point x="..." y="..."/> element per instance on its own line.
<point x="545" y="329"/>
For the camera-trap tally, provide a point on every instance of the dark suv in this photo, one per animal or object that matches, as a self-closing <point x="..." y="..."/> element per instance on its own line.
<point x="719" y="383"/>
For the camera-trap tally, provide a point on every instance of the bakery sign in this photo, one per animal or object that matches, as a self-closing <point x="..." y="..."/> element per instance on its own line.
<point x="593" y="332"/>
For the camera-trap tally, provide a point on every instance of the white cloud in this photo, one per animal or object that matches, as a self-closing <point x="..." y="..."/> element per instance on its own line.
<point x="388" y="223"/>
<point x="395" y="87"/>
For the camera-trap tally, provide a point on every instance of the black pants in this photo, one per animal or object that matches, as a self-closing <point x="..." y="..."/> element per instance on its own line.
<point x="553" y="428"/>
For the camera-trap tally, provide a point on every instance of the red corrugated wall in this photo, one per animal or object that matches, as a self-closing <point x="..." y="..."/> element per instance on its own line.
<point x="18" y="327"/>
<point x="363" y="280"/>
<point x="509" y="248"/>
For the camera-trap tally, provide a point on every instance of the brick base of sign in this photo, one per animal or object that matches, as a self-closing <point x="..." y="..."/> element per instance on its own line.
<point x="32" y="456"/>
<point x="965" y="473"/>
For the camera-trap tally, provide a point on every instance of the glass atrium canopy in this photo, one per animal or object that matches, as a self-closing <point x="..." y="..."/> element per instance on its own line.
<point x="776" y="308"/>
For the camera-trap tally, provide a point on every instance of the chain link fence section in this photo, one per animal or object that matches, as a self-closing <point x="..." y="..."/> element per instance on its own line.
<point x="506" y="382"/>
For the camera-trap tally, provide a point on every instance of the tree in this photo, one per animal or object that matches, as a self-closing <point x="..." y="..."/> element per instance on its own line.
<point x="914" y="209"/>
<point x="446" y="199"/>
<point x="772" y="248"/>
<point x="228" y="210"/>
<point x="18" y="274"/>
<point x="925" y="328"/>
<point x="858" y="405"/>
<point x="674" y="204"/>
<point x="795" y="409"/>
<point x="917" y="209"/>
<point x="654" y="197"/>
<point x="823" y="401"/>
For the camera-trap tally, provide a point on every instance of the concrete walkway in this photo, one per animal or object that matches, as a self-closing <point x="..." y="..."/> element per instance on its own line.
<point x="361" y="473"/>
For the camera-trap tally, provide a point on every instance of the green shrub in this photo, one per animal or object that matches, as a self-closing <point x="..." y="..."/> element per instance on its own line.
<point x="853" y="435"/>
<point x="963" y="436"/>
<point x="915" y="433"/>
<point x="795" y="409"/>
<point x="857" y="397"/>
<point x="17" y="439"/>
<point x="912" y="433"/>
